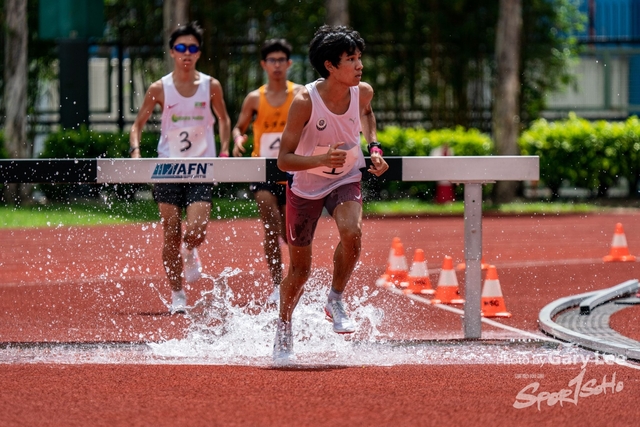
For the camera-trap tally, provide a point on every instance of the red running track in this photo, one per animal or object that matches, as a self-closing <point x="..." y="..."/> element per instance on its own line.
<point x="75" y="285"/>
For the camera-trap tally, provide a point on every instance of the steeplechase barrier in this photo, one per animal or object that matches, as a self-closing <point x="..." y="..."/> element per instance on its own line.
<point x="472" y="171"/>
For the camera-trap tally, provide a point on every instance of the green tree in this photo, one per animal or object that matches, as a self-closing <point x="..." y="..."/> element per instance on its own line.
<point x="15" y="90"/>
<point x="438" y="56"/>
<point x="505" y="117"/>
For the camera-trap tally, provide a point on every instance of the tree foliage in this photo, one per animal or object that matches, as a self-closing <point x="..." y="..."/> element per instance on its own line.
<point x="434" y="57"/>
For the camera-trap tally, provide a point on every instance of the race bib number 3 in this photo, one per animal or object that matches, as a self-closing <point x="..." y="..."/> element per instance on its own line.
<point x="270" y="144"/>
<point x="350" y="161"/>
<point x="187" y="142"/>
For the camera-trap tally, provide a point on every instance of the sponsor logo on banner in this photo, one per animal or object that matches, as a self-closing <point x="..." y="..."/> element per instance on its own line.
<point x="181" y="170"/>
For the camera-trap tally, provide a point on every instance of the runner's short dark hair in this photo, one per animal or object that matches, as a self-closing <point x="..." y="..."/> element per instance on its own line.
<point x="275" y="45"/>
<point x="191" y="29"/>
<point x="329" y="43"/>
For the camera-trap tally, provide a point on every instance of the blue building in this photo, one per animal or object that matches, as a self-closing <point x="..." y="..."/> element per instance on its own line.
<point x="608" y="73"/>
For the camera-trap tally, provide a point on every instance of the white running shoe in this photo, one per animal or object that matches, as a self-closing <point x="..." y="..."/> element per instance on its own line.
<point x="192" y="266"/>
<point x="178" y="302"/>
<point x="283" y="345"/>
<point x="274" y="298"/>
<point x="337" y="314"/>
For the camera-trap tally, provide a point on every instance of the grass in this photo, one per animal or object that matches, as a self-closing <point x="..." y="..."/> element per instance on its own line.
<point x="121" y="212"/>
<point x="418" y="207"/>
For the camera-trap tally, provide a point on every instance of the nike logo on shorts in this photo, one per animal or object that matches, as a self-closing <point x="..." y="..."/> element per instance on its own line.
<point x="293" y="239"/>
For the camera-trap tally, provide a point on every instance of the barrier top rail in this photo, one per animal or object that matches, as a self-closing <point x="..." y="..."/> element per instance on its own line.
<point x="472" y="171"/>
<point x="459" y="169"/>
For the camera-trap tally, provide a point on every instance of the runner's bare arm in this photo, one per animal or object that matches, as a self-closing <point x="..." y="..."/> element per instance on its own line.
<point x="247" y="112"/>
<point x="368" y="123"/>
<point x="367" y="118"/>
<point x="153" y="97"/>
<point x="299" y="115"/>
<point x="220" y="110"/>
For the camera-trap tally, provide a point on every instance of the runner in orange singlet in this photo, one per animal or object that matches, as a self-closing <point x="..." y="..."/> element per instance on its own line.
<point x="269" y="104"/>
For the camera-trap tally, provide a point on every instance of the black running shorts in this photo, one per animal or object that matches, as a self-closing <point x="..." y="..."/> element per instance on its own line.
<point x="277" y="189"/>
<point x="182" y="195"/>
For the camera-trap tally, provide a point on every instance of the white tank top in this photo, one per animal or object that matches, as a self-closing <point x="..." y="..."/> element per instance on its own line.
<point x="323" y="130"/>
<point x="187" y="123"/>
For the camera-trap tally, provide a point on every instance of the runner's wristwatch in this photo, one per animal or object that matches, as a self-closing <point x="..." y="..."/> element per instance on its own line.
<point x="375" y="147"/>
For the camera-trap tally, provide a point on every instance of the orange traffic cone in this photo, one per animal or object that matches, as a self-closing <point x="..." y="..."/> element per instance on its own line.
<point x="492" y="299"/>
<point x="418" y="277"/>
<point x="483" y="265"/>
<point x="397" y="268"/>
<point x="396" y="241"/>
<point x="619" y="250"/>
<point x="447" y="291"/>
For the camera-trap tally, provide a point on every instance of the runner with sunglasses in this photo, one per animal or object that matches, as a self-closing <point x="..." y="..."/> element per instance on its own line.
<point x="187" y="98"/>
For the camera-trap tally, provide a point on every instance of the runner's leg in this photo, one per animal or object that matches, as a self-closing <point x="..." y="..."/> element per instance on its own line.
<point x="272" y="220"/>
<point x="293" y="285"/>
<point x="348" y="217"/>
<point x="170" y="216"/>
<point x="197" y="219"/>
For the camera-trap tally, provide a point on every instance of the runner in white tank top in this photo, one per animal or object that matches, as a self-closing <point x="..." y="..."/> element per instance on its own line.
<point x="320" y="147"/>
<point x="186" y="97"/>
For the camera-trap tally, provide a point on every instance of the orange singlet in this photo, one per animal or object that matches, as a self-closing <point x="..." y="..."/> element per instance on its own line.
<point x="269" y="124"/>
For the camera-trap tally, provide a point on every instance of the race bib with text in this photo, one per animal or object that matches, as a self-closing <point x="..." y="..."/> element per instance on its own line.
<point x="187" y="142"/>
<point x="350" y="161"/>
<point x="270" y="144"/>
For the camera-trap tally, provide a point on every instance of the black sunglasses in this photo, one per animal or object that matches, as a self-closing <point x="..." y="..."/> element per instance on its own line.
<point x="182" y="48"/>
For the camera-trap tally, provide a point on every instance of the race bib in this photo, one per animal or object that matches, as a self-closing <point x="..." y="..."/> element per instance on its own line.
<point x="350" y="161"/>
<point x="270" y="144"/>
<point x="187" y="142"/>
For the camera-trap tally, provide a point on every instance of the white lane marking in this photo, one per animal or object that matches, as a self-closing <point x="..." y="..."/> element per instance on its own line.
<point x="484" y="320"/>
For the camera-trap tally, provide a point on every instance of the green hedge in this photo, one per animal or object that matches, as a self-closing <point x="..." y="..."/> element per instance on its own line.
<point x="398" y="141"/>
<point x="592" y="155"/>
<point x="3" y="150"/>
<point x="87" y="144"/>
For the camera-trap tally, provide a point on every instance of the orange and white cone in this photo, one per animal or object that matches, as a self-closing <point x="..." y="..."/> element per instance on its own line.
<point x="418" y="277"/>
<point x="483" y="265"/>
<point x="396" y="241"/>
<point x="447" y="291"/>
<point x="397" y="268"/>
<point x="619" y="250"/>
<point x="492" y="299"/>
<point x="385" y="279"/>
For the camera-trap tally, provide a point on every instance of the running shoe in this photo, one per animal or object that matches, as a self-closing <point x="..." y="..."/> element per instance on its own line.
<point x="178" y="302"/>
<point x="283" y="345"/>
<point x="192" y="265"/>
<point x="337" y="314"/>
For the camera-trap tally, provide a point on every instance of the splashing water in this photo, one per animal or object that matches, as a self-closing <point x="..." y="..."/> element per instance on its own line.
<point x="224" y="333"/>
